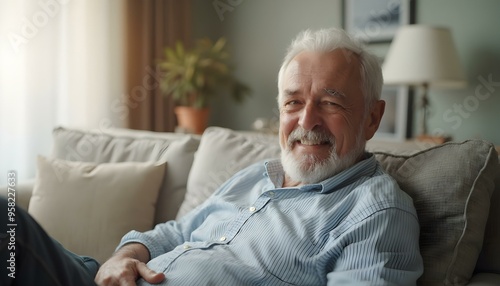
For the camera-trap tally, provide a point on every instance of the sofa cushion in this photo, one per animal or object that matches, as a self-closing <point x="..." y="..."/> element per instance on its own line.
<point x="88" y="207"/>
<point x="122" y="145"/>
<point x="451" y="186"/>
<point x="221" y="154"/>
<point x="489" y="259"/>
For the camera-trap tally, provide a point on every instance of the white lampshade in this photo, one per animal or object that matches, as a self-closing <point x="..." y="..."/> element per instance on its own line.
<point x="421" y="55"/>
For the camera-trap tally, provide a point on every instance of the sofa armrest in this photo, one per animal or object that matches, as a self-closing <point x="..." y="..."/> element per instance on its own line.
<point x="24" y="190"/>
<point x="484" y="279"/>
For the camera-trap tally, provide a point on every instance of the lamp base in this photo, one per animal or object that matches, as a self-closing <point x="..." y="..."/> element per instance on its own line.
<point x="433" y="139"/>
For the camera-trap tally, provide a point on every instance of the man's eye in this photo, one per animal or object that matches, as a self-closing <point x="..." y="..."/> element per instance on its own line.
<point x="292" y="102"/>
<point x="331" y="106"/>
<point x="330" y="103"/>
<point x="292" y="105"/>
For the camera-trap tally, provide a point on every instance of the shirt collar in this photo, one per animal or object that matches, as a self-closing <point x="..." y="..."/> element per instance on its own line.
<point x="366" y="167"/>
<point x="274" y="170"/>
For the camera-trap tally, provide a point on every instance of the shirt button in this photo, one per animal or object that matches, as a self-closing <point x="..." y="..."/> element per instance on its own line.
<point x="271" y="194"/>
<point x="186" y="246"/>
<point x="252" y="209"/>
<point x="223" y="238"/>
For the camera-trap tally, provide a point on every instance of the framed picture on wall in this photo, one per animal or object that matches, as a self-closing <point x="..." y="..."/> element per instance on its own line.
<point x="377" y="20"/>
<point x="393" y="126"/>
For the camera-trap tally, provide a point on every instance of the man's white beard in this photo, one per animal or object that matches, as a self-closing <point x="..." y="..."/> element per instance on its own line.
<point x="309" y="169"/>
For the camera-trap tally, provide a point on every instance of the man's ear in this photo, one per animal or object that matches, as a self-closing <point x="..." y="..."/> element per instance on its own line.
<point x="373" y="119"/>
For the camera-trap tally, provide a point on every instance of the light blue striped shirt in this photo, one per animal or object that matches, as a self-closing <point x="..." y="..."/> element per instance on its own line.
<point x="356" y="228"/>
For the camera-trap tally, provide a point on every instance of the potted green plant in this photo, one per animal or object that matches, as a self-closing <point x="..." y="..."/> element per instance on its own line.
<point x="193" y="76"/>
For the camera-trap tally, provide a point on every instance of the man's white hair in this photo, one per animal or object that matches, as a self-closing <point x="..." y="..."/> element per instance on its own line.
<point x="326" y="40"/>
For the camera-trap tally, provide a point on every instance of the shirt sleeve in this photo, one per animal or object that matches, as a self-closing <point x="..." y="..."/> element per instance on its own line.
<point x="166" y="236"/>
<point x="381" y="249"/>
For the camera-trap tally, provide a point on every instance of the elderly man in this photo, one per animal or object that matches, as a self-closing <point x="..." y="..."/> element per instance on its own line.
<point x="324" y="214"/>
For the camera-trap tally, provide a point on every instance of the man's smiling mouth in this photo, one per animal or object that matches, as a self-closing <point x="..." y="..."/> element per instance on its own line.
<point x="308" y="142"/>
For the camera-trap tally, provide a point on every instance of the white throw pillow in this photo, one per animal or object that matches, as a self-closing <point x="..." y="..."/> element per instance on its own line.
<point x="88" y="207"/>
<point x="127" y="145"/>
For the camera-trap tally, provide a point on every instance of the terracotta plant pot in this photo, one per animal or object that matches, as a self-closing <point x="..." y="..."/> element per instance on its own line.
<point x="193" y="120"/>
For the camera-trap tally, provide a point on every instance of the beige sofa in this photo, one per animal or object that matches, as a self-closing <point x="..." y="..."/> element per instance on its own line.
<point x="89" y="206"/>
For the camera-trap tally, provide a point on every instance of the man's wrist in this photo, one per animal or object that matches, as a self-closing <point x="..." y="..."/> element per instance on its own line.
<point x="134" y="250"/>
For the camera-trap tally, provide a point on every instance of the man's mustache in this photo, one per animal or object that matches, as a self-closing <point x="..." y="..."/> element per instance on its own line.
<point x="319" y="135"/>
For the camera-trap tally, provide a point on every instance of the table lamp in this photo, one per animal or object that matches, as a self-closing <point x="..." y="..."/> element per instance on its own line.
<point x="425" y="57"/>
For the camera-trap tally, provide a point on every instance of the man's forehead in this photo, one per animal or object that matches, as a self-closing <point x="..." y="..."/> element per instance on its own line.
<point x="292" y="72"/>
<point x="327" y="65"/>
<point x="293" y="67"/>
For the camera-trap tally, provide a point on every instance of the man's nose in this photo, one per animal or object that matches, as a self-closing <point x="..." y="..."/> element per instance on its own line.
<point x="310" y="117"/>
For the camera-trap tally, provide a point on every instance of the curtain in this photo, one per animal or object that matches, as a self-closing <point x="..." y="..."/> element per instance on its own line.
<point x="62" y="63"/>
<point x="152" y="25"/>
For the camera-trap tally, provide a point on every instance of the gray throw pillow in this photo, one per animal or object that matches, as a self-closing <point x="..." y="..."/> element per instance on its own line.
<point x="451" y="186"/>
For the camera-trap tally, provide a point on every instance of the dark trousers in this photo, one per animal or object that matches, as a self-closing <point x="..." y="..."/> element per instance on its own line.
<point x="29" y="256"/>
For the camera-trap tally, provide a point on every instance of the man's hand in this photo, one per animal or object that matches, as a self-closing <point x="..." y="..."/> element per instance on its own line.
<point x="126" y="266"/>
